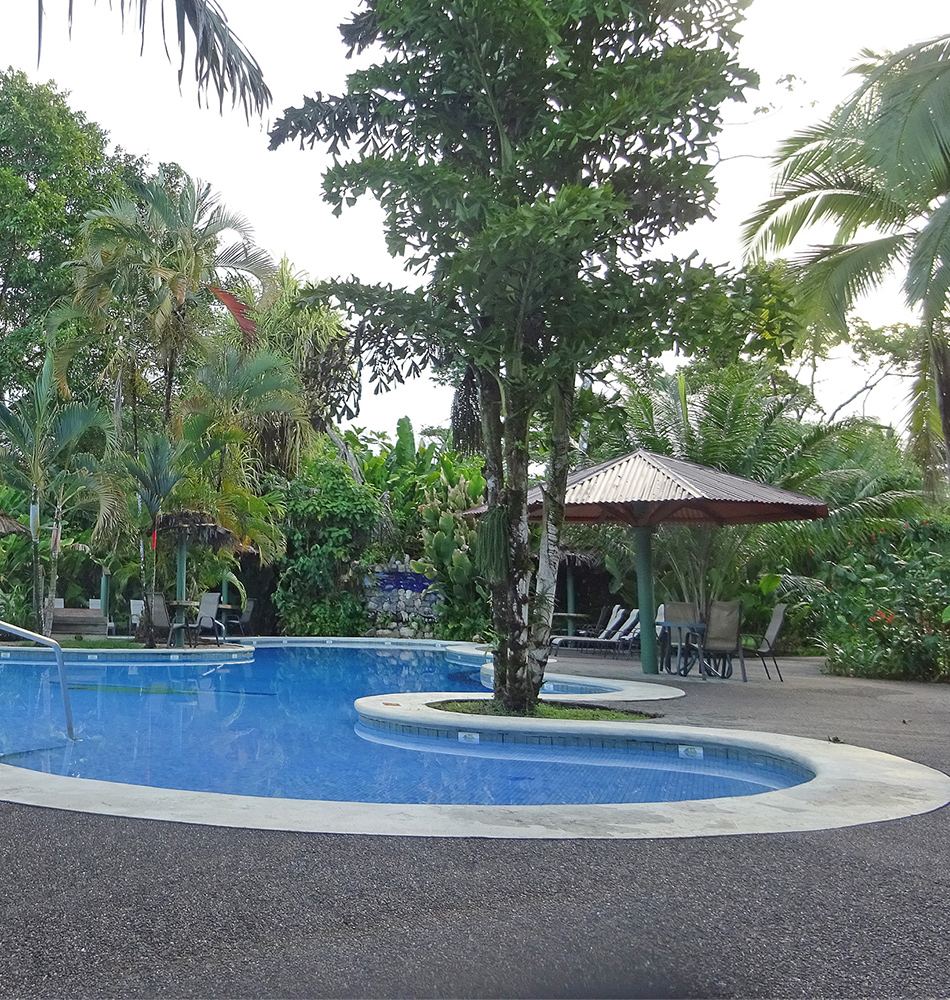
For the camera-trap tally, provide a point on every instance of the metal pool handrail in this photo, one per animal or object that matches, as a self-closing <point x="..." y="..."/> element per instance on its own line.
<point x="60" y="662"/>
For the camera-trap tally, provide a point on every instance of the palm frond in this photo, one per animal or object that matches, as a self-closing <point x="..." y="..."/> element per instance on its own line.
<point x="831" y="278"/>
<point x="222" y="63"/>
<point x="909" y="92"/>
<point x="928" y="269"/>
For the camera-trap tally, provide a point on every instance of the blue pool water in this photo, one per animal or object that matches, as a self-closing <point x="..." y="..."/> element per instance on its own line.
<point x="284" y="725"/>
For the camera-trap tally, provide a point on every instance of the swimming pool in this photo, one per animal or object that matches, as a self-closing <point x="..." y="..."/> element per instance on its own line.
<point x="852" y="785"/>
<point x="282" y="724"/>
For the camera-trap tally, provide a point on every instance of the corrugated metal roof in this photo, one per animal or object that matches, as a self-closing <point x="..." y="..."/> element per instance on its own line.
<point x="646" y="488"/>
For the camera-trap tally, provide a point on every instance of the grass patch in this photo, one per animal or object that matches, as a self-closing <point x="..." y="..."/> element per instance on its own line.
<point x="74" y="643"/>
<point x="543" y="710"/>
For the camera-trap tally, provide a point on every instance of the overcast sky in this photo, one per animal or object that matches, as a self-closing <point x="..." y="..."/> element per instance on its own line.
<point x="137" y="100"/>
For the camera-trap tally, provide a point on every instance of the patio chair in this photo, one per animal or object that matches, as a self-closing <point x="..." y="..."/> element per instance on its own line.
<point x="766" y="645"/>
<point x="158" y="612"/>
<point x="721" y="640"/>
<point x="240" y="623"/>
<point x="207" y="620"/>
<point x="676" y="623"/>
<point x="606" y="614"/>
<point x="621" y="641"/>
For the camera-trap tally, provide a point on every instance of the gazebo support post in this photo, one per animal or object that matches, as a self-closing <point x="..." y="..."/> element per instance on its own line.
<point x="104" y="593"/>
<point x="644" y="567"/>
<point x="571" y="595"/>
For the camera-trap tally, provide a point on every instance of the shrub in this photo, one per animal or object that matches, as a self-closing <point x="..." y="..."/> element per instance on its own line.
<point x="882" y="612"/>
<point x="329" y="519"/>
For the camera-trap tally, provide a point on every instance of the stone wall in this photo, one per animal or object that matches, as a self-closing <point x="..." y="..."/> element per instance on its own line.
<point x="399" y="602"/>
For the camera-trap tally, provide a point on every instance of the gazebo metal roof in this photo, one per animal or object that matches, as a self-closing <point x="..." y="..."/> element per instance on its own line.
<point x="644" y="489"/>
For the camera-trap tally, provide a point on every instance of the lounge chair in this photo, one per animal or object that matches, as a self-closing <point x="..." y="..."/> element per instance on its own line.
<point x="620" y="620"/>
<point x="766" y="646"/>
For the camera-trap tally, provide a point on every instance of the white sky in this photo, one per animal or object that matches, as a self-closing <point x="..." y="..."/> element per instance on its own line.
<point x="137" y="100"/>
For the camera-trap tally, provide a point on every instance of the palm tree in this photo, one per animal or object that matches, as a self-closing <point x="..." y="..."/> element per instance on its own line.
<point x="234" y="396"/>
<point x="40" y="435"/>
<point x="306" y="330"/>
<point x="145" y="262"/>
<point x="878" y="165"/>
<point x="222" y="63"/>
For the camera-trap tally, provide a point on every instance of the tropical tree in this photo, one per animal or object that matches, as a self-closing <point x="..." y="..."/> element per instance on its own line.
<point x="222" y="63"/>
<point x="233" y="396"/>
<point x="147" y="261"/>
<point x="271" y="317"/>
<point x="526" y="156"/>
<point x="877" y="171"/>
<point x="53" y="169"/>
<point x="40" y="441"/>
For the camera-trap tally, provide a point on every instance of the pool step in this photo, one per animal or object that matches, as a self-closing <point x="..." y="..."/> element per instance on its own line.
<point x="79" y="621"/>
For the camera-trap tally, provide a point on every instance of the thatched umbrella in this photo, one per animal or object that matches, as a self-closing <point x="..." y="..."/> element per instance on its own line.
<point x="193" y="526"/>
<point x="11" y="526"/>
<point x="645" y="489"/>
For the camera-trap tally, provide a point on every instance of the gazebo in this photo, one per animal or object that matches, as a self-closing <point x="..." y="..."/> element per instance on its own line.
<point x="645" y="489"/>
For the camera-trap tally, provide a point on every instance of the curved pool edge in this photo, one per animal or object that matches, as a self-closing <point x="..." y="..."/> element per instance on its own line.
<point x="852" y="786"/>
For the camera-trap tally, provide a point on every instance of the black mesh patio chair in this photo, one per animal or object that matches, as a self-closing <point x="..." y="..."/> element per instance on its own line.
<point x="721" y="640"/>
<point x="766" y="645"/>
<point x="207" y="620"/>
<point x="239" y="624"/>
<point x="158" y="612"/>
<point x="677" y="624"/>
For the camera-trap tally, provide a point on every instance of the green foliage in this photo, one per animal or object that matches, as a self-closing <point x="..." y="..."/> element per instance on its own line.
<point x="526" y="157"/>
<point x="343" y="614"/>
<point x="877" y="172"/>
<point x="53" y="169"/>
<point x="448" y="542"/>
<point x="882" y="611"/>
<point x="329" y="520"/>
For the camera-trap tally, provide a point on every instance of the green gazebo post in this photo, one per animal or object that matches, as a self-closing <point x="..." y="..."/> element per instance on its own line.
<point x="649" y="659"/>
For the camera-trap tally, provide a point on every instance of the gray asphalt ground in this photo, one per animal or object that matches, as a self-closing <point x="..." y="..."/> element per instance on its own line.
<point x="95" y="906"/>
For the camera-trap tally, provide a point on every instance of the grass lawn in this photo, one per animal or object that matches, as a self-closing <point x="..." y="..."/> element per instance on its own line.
<point x="543" y="710"/>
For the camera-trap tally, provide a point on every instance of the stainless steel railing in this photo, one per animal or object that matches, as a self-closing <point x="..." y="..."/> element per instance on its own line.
<point x="24" y="633"/>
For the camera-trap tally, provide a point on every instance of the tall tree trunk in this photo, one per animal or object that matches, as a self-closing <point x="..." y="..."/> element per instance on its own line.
<point x="493" y="432"/>
<point x="169" y="380"/>
<point x="518" y="692"/>
<point x="549" y="555"/>
<point x="940" y="356"/>
<point x="55" y="539"/>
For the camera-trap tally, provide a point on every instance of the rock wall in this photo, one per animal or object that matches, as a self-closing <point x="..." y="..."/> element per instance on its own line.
<point x="399" y="601"/>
